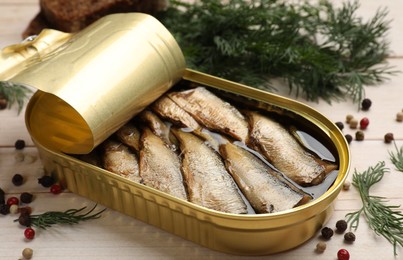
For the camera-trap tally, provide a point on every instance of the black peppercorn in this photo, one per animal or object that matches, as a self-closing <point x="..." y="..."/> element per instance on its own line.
<point x="46" y="181"/>
<point x="340" y="125"/>
<point x="19" y="144"/>
<point x="26" y="197"/>
<point x="2" y="197"/>
<point x="366" y="104"/>
<point x="25" y="211"/>
<point x="349" y="138"/>
<point x="17" y="179"/>
<point x="24" y="220"/>
<point x="388" y="138"/>
<point x="341" y="226"/>
<point x="349" y="237"/>
<point x="4" y="209"/>
<point x="327" y="232"/>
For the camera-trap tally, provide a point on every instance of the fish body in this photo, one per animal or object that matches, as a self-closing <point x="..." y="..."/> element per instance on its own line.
<point x="212" y="112"/>
<point x="208" y="182"/>
<point x="266" y="190"/>
<point x="160" y="167"/>
<point x="130" y="136"/>
<point x="158" y="127"/>
<point x="119" y="159"/>
<point x="285" y="153"/>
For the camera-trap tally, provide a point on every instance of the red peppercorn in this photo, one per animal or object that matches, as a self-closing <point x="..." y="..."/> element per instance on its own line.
<point x="364" y="123"/>
<point x="13" y="201"/>
<point x="343" y="254"/>
<point x="29" y="233"/>
<point x="56" y="189"/>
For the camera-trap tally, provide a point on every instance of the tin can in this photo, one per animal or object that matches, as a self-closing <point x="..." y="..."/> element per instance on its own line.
<point x="250" y="234"/>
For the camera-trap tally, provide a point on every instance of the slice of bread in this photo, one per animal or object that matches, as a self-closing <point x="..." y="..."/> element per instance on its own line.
<point x="74" y="15"/>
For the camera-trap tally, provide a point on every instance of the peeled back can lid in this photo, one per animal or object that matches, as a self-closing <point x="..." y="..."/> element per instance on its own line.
<point x="98" y="80"/>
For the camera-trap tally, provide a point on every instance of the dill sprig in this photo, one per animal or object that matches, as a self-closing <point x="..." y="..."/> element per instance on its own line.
<point x="383" y="219"/>
<point x="397" y="158"/>
<point x="14" y="93"/>
<point x="70" y="216"/>
<point x="321" y="51"/>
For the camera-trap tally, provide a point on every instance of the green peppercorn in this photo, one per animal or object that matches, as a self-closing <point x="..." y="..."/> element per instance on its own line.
<point x="327" y="232"/>
<point x="349" y="237"/>
<point x="359" y="135"/>
<point x="341" y="225"/>
<point x="349" y="138"/>
<point x="388" y="138"/>
<point x="17" y="179"/>
<point x="19" y="144"/>
<point x="46" y="181"/>
<point x="26" y="197"/>
<point x="366" y="104"/>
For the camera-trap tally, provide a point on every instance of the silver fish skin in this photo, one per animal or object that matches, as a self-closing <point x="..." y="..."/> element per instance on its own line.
<point x="266" y="190"/>
<point x="158" y="127"/>
<point x="285" y="153"/>
<point x="212" y="112"/>
<point x="208" y="182"/>
<point x="129" y="134"/>
<point x="169" y="110"/>
<point x="160" y="167"/>
<point x="119" y="159"/>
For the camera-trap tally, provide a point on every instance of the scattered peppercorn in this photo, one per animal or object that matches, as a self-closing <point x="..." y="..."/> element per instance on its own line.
<point x="14" y="209"/>
<point x="320" y="247"/>
<point x="2" y="196"/>
<point x="25" y="210"/>
<point x="3" y="102"/>
<point x="27" y="253"/>
<point x="46" y="181"/>
<point x="17" y="179"/>
<point x="340" y="125"/>
<point x="346" y="185"/>
<point x="359" y="136"/>
<point x="327" y="232"/>
<point x="388" y="138"/>
<point x="349" y="237"/>
<point x="364" y="122"/>
<point x="19" y="144"/>
<point x="366" y="104"/>
<point x="4" y="209"/>
<point x="12" y="201"/>
<point x="348" y="118"/>
<point x="56" y="189"/>
<point x="26" y="197"/>
<point x="349" y="138"/>
<point x="343" y="254"/>
<point x="29" y="233"/>
<point x="341" y="226"/>
<point x="353" y="123"/>
<point x="24" y="220"/>
<point x="399" y="116"/>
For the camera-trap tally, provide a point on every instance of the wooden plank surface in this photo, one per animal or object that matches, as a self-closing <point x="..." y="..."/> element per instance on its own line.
<point x="116" y="236"/>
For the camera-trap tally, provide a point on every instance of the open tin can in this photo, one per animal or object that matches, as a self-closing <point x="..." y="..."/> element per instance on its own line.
<point x="93" y="82"/>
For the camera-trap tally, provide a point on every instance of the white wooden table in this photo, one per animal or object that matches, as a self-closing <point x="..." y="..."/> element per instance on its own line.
<point x="116" y="236"/>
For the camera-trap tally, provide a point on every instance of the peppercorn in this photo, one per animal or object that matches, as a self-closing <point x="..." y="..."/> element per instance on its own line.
<point x="4" y="209"/>
<point x="364" y="122"/>
<point x="366" y="104"/>
<point x="359" y="136"/>
<point x="343" y="254"/>
<point x="349" y="138"/>
<point x="320" y="247"/>
<point x="56" y="189"/>
<point x="19" y="144"/>
<point x="349" y="237"/>
<point x="14" y="209"/>
<point x="2" y="196"/>
<point x="29" y="233"/>
<point x="388" y="138"/>
<point x="26" y="197"/>
<point x="348" y="118"/>
<point x="327" y="232"/>
<point x="12" y="201"/>
<point x="399" y="116"/>
<point x="17" y="179"/>
<point x="340" y="125"/>
<point x="353" y="123"/>
<point x="46" y="181"/>
<point x="3" y="102"/>
<point x="25" y="210"/>
<point x="346" y="185"/>
<point x="24" y="220"/>
<point x="341" y="225"/>
<point x="27" y="253"/>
